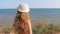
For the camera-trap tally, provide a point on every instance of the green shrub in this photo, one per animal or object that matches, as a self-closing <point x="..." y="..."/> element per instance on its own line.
<point x="7" y="30"/>
<point x="45" y="29"/>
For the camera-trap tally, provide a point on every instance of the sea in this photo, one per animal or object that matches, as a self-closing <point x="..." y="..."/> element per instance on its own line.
<point x="37" y="15"/>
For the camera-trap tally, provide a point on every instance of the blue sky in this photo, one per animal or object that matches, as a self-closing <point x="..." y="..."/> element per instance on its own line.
<point x="32" y="3"/>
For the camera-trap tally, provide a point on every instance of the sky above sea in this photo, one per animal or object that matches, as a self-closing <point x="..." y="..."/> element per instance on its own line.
<point x="13" y="4"/>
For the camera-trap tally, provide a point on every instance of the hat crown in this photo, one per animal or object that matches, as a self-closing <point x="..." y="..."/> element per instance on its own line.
<point x="23" y="8"/>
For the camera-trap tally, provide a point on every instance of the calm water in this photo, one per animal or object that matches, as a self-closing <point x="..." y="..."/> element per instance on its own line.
<point x="37" y="15"/>
<point x="33" y="12"/>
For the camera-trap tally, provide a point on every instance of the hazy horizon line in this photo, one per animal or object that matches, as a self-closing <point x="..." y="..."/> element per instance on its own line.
<point x="31" y="8"/>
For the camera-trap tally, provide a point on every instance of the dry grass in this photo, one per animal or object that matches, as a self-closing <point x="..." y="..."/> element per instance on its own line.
<point x="46" y="29"/>
<point x="39" y="28"/>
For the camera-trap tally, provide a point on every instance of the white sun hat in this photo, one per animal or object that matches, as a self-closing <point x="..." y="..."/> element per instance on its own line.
<point x="23" y="8"/>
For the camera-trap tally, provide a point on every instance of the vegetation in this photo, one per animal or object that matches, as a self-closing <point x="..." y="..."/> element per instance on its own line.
<point x="40" y="28"/>
<point x="7" y="30"/>
<point x="45" y="29"/>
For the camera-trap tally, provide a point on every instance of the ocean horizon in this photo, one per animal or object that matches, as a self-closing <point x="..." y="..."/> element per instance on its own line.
<point x="44" y="15"/>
